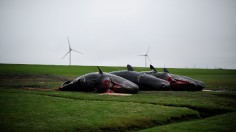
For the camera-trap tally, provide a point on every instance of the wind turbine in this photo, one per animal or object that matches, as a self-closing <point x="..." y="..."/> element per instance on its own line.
<point x="146" y="56"/>
<point x="69" y="52"/>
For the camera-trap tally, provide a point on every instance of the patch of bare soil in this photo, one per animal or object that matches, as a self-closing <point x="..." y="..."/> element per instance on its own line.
<point x="43" y="89"/>
<point x="116" y="94"/>
<point x="32" y="76"/>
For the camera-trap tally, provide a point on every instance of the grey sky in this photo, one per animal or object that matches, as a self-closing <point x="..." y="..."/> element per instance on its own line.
<point x="181" y="33"/>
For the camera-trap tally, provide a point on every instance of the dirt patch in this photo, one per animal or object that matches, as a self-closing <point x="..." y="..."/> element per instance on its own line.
<point x="116" y="94"/>
<point x="215" y="90"/>
<point x="20" y="80"/>
<point x="32" y="76"/>
<point x="41" y="89"/>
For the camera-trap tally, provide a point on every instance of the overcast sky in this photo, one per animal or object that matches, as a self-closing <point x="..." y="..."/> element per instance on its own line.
<point x="180" y="33"/>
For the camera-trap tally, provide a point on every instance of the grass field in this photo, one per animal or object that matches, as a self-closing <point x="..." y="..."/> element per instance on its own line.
<point x="24" y="109"/>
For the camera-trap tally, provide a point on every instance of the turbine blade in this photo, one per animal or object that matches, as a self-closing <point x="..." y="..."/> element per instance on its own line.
<point x="149" y="59"/>
<point x="66" y="54"/>
<point x="76" y="51"/>
<point x="68" y="42"/>
<point x="148" y="50"/>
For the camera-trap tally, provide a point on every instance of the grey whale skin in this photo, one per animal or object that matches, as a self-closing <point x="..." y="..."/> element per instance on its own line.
<point x="178" y="83"/>
<point x="144" y="81"/>
<point x="100" y="82"/>
<point x="199" y="84"/>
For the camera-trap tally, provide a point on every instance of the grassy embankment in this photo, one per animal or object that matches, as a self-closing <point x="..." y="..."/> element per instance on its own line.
<point x="30" y="110"/>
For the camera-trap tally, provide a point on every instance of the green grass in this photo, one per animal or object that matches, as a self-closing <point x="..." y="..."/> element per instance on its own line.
<point x="52" y="69"/>
<point x="50" y="110"/>
<point x="44" y="112"/>
<point x="220" y="123"/>
<point x="32" y="110"/>
<point x="215" y="79"/>
<point x="79" y="70"/>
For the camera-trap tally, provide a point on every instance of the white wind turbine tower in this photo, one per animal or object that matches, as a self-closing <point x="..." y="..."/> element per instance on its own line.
<point x="69" y="52"/>
<point x="146" y="56"/>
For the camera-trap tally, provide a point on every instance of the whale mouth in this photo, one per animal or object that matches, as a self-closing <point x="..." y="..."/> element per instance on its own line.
<point x="116" y="85"/>
<point x="65" y="87"/>
<point x="165" y="86"/>
<point x="110" y="84"/>
<point x="180" y="85"/>
<point x="124" y="87"/>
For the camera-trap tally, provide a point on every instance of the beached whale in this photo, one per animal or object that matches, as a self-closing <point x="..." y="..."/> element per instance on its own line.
<point x="100" y="82"/>
<point x="144" y="81"/>
<point x="178" y="83"/>
<point x="200" y="85"/>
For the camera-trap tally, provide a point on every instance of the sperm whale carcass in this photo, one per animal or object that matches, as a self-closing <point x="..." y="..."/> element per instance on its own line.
<point x="100" y="82"/>
<point x="144" y="81"/>
<point x="178" y="83"/>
